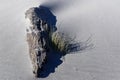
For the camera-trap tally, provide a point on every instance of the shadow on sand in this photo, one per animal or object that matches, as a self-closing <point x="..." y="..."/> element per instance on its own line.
<point x="53" y="57"/>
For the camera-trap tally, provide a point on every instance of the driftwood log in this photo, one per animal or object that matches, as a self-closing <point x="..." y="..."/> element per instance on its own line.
<point x="41" y="25"/>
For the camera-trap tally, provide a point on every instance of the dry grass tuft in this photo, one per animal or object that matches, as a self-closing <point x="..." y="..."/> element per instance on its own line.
<point x="60" y="42"/>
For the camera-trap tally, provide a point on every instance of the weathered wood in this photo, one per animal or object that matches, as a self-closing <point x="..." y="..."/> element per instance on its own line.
<point x="38" y="33"/>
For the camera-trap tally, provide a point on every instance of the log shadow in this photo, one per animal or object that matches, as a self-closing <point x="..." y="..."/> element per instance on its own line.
<point x="53" y="61"/>
<point x="46" y="15"/>
<point x="54" y="58"/>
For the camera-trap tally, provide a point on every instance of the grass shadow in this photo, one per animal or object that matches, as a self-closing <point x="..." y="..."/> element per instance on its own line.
<point x="81" y="46"/>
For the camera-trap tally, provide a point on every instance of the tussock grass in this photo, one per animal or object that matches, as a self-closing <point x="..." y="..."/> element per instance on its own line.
<point x="60" y="42"/>
<point x="67" y="44"/>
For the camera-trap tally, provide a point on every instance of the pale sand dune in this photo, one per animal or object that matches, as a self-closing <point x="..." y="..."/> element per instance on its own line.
<point x="99" y="19"/>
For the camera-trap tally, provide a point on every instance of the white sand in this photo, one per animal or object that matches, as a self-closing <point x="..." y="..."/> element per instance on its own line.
<point x="83" y="18"/>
